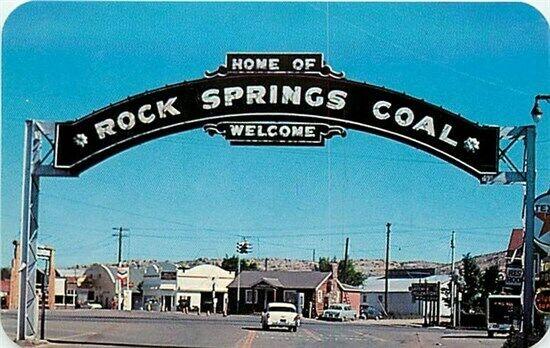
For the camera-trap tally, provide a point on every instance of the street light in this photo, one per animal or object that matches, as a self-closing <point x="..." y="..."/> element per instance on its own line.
<point x="536" y="112"/>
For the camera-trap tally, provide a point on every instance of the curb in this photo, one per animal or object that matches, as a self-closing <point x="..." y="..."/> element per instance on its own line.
<point x="114" y="344"/>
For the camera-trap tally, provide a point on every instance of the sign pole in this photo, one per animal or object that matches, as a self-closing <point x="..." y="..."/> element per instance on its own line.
<point x="238" y="281"/>
<point x="44" y="288"/>
<point x="528" y="278"/>
<point x="425" y="313"/>
<point x="453" y="321"/>
<point x="438" y="320"/>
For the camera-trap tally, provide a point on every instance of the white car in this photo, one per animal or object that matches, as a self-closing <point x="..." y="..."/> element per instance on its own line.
<point x="339" y="311"/>
<point x="280" y="314"/>
<point x="92" y="305"/>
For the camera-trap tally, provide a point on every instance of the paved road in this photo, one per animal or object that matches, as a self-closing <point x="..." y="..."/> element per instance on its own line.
<point x="176" y="329"/>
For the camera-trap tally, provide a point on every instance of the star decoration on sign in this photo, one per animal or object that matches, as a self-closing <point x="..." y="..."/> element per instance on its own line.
<point x="471" y="145"/>
<point x="81" y="139"/>
<point x="545" y="218"/>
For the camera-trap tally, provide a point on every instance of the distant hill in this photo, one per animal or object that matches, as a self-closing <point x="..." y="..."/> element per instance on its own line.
<point x="369" y="267"/>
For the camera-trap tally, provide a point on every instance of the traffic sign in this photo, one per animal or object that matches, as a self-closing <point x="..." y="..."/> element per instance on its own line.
<point x="514" y="276"/>
<point x="425" y="291"/>
<point x="542" y="301"/>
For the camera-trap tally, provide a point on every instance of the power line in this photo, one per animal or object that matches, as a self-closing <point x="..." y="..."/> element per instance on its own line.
<point x="133" y="213"/>
<point x="192" y="228"/>
<point x="412" y="53"/>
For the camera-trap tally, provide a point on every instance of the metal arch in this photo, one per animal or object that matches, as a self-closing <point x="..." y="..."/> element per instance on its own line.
<point x="35" y="165"/>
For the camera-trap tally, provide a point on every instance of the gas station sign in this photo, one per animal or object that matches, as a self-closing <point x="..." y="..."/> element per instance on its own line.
<point x="542" y="301"/>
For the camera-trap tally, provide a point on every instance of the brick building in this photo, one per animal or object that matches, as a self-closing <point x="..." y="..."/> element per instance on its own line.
<point x="314" y="290"/>
<point x="13" y="298"/>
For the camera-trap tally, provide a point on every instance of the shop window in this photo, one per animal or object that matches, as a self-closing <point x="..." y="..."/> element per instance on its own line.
<point x="248" y="296"/>
<point x="289" y="296"/>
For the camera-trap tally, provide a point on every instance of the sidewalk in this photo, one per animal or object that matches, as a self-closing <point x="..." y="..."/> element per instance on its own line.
<point x="382" y="322"/>
<point x="394" y="322"/>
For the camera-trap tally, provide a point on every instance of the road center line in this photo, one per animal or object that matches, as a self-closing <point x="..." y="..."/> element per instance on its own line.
<point x="312" y="335"/>
<point x="249" y="339"/>
<point x="369" y="335"/>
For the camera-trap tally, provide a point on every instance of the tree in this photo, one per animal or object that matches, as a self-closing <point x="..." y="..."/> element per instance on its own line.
<point x="472" y="291"/>
<point x="230" y="264"/>
<point x="490" y="281"/>
<point x="5" y="273"/>
<point x="347" y="274"/>
<point x="324" y="265"/>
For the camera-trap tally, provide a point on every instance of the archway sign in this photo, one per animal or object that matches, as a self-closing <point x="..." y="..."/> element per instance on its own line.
<point x="276" y="99"/>
<point x="260" y="99"/>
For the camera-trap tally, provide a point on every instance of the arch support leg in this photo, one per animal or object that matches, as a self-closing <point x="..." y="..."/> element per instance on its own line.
<point x="27" y="316"/>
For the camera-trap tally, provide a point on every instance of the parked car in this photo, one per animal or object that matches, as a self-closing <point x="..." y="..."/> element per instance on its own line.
<point x="92" y="305"/>
<point x="280" y="314"/>
<point x="339" y="311"/>
<point x="369" y="312"/>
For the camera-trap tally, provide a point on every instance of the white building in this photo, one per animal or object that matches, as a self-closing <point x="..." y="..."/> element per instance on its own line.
<point x="67" y="282"/>
<point x="200" y="288"/>
<point x="100" y="284"/>
<point x="400" y="300"/>
<point x="204" y="287"/>
<point x="159" y="286"/>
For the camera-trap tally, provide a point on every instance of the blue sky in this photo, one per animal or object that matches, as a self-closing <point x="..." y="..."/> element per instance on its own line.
<point x="189" y="195"/>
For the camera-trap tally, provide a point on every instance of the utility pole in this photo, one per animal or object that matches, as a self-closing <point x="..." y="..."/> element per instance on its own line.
<point x="388" y="225"/>
<point x="120" y="235"/>
<point x="345" y="275"/>
<point x="313" y="255"/>
<point x="453" y="320"/>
